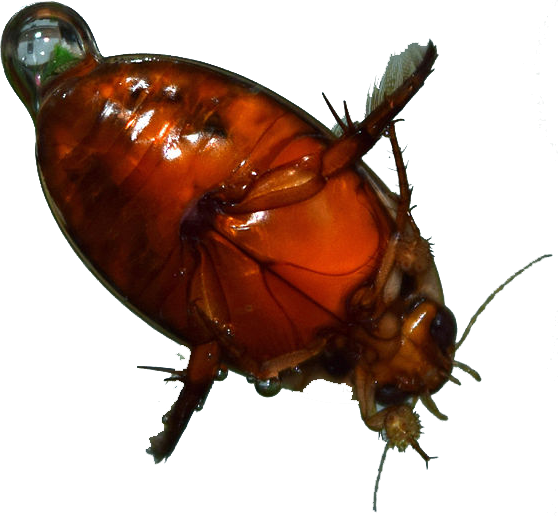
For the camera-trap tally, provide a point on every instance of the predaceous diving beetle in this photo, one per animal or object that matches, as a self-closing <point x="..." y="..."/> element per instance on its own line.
<point x="220" y="213"/>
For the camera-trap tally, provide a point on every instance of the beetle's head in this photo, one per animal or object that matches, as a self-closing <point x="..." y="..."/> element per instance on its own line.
<point x="419" y="353"/>
<point x="403" y="333"/>
<point x="413" y="348"/>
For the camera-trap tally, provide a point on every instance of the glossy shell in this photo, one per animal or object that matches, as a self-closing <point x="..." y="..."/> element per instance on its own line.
<point x="140" y="183"/>
<point x="478" y="240"/>
<point x="236" y="224"/>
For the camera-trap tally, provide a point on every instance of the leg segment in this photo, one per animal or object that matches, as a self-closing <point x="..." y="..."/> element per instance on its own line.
<point x="198" y="378"/>
<point x="404" y="204"/>
<point x="359" y="138"/>
<point x="401" y="428"/>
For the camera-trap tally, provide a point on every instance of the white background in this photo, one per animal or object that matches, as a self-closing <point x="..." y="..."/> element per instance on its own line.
<point x="482" y="149"/>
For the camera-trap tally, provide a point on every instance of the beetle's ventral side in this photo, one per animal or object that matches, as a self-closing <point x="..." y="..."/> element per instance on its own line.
<point x="236" y="224"/>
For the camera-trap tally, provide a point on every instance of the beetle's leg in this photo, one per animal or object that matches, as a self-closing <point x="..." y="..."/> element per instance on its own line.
<point x="284" y="185"/>
<point x="404" y="203"/>
<point x="407" y="251"/>
<point x="364" y="391"/>
<point x="357" y="142"/>
<point x="400" y="427"/>
<point x="198" y="378"/>
<point x="302" y="178"/>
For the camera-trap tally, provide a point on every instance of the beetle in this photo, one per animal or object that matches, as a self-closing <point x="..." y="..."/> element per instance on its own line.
<point x="229" y="202"/>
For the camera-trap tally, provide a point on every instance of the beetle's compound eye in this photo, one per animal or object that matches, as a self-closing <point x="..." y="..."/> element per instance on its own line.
<point x="41" y="42"/>
<point x="443" y="328"/>
<point x="389" y="395"/>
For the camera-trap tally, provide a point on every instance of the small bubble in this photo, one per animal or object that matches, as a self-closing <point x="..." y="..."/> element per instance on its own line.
<point x="165" y="419"/>
<point x="269" y="387"/>
<point x="200" y="405"/>
<point x="221" y="374"/>
<point x="250" y="378"/>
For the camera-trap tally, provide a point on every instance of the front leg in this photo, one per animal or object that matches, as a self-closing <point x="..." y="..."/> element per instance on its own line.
<point x="400" y="427"/>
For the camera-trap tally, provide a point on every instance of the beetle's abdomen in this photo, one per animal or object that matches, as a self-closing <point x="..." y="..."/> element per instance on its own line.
<point x="135" y="158"/>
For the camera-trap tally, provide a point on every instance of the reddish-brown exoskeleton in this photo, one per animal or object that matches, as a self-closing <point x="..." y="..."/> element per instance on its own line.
<point x="238" y="225"/>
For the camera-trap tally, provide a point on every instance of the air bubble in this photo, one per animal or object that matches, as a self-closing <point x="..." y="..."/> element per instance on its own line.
<point x="269" y="387"/>
<point x="200" y="405"/>
<point x="221" y="374"/>
<point x="40" y="43"/>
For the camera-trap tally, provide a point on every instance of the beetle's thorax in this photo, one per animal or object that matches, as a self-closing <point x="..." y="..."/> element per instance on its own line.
<point x="386" y="351"/>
